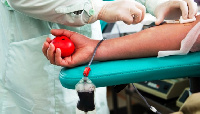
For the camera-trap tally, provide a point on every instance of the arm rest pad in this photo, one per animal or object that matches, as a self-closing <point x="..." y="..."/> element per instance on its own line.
<point x="134" y="70"/>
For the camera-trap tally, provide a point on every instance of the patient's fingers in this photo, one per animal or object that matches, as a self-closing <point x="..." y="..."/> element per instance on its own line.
<point x="59" y="32"/>
<point x="58" y="58"/>
<point x="48" y="40"/>
<point x="51" y="54"/>
<point x="44" y="48"/>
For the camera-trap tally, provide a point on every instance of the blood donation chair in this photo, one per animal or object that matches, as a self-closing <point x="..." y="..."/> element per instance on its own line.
<point x="118" y="72"/>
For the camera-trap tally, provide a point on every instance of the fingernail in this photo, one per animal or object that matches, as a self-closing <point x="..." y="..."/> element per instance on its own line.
<point x="51" y="45"/>
<point x="58" y="49"/>
<point x="45" y="44"/>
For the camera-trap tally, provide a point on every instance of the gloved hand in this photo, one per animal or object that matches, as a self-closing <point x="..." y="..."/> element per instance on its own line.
<point x="84" y="48"/>
<point x="191" y="105"/>
<point x="173" y="9"/>
<point x="128" y="11"/>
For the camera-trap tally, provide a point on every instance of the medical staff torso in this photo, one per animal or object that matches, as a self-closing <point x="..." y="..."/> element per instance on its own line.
<point x="29" y="84"/>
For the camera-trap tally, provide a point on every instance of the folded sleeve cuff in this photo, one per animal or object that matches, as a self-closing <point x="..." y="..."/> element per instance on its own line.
<point x="90" y="11"/>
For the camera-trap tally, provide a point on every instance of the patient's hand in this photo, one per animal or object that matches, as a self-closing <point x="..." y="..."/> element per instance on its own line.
<point x="84" y="48"/>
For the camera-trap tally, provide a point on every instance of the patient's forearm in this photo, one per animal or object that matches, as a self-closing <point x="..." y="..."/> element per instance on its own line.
<point x="145" y="43"/>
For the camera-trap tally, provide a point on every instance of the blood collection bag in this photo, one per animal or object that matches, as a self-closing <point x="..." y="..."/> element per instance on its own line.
<point x="85" y="90"/>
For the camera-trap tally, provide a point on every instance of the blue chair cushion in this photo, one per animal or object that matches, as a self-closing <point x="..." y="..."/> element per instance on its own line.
<point x="134" y="70"/>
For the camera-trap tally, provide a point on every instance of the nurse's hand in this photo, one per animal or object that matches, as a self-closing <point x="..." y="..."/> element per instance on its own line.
<point x="173" y="9"/>
<point x="128" y="11"/>
<point x="84" y="48"/>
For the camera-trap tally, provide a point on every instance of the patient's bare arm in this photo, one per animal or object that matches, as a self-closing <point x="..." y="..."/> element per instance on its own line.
<point x="142" y="44"/>
<point x="145" y="43"/>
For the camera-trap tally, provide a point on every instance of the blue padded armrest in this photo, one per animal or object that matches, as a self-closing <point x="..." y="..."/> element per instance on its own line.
<point x="134" y="70"/>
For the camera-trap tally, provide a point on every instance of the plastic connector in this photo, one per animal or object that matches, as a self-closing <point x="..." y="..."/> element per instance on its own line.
<point x="153" y="109"/>
<point x="86" y="71"/>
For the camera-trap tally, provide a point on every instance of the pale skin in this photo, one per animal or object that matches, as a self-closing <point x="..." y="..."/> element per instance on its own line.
<point x="146" y="43"/>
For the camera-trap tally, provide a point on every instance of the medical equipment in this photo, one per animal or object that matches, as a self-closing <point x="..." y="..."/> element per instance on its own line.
<point x="165" y="89"/>
<point x="182" y="98"/>
<point x="85" y="88"/>
<point x="181" y="20"/>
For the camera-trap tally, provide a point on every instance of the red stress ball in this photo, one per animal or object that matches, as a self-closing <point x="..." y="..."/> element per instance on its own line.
<point x="65" y="44"/>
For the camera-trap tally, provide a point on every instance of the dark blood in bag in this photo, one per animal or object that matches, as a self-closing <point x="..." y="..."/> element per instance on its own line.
<point x="86" y="102"/>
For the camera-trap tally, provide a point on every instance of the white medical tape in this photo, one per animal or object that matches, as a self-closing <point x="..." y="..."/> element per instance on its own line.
<point x="181" y="20"/>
